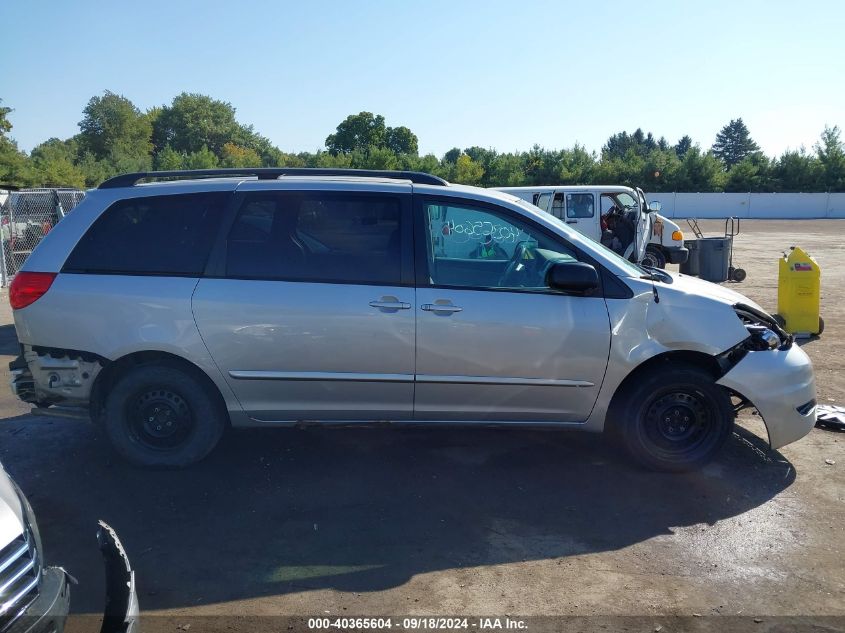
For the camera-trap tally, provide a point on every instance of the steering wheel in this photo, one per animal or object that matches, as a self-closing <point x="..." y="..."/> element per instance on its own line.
<point x="522" y="265"/>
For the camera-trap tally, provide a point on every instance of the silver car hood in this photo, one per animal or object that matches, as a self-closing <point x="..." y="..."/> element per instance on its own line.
<point x="11" y="511"/>
<point x="701" y="288"/>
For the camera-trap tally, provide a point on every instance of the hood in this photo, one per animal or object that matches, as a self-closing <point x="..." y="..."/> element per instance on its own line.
<point x="11" y="510"/>
<point x="707" y="289"/>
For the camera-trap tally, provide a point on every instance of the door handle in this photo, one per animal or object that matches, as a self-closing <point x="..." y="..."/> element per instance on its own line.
<point x="572" y="221"/>
<point x="439" y="307"/>
<point x="390" y="305"/>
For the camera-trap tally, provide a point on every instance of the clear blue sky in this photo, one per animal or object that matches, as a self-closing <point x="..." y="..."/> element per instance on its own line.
<point x="490" y="73"/>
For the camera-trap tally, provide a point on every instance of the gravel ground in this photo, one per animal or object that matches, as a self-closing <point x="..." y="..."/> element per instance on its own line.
<point x="441" y="522"/>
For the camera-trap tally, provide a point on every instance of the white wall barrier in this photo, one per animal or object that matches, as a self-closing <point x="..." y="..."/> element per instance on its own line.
<point x="782" y="206"/>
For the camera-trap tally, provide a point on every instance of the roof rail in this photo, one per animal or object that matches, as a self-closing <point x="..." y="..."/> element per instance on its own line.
<point x="270" y="173"/>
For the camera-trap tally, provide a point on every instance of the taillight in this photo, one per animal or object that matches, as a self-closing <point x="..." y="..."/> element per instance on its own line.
<point x="27" y="288"/>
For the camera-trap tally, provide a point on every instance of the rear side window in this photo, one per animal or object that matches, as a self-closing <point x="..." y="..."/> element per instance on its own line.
<point x="154" y="235"/>
<point x="316" y="237"/>
<point x="579" y="205"/>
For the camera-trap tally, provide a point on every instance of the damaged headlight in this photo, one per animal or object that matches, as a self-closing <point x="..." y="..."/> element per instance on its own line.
<point x="762" y="338"/>
<point x="764" y="332"/>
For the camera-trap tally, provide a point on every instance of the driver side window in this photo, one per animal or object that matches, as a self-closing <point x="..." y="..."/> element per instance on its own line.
<point x="476" y="247"/>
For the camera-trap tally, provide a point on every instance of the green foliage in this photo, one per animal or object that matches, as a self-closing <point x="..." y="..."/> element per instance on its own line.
<point x="193" y="121"/>
<point x="5" y="124"/>
<point x="467" y="171"/>
<point x="203" y="158"/>
<point x="749" y="174"/>
<point x="734" y="143"/>
<point x="683" y="146"/>
<point x="831" y="154"/>
<point x="53" y="164"/>
<point x="400" y="140"/>
<point x="112" y="128"/>
<point x="198" y="132"/>
<point x="365" y="131"/>
<point x="237" y="156"/>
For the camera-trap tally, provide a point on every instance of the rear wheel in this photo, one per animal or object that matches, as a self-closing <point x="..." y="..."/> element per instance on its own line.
<point x="674" y="418"/>
<point x="162" y="416"/>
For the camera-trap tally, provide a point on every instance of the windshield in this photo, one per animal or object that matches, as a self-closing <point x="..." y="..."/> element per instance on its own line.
<point x="630" y="269"/>
<point x="626" y="200"/>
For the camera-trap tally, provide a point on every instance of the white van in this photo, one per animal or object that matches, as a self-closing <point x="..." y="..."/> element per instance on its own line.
<point x="636" y="231"/>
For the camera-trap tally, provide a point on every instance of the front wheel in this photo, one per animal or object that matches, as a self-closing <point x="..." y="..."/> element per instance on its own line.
<point x="162" y="416"/>
<point x="654" y="257"/>
<point x="674" y="418"/>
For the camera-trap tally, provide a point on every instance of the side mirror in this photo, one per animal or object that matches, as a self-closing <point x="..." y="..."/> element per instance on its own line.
<point x="654" y="205"/>
<point x="572" y="277"/>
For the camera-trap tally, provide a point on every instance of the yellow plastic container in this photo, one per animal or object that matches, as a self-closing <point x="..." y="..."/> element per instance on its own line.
<point x="799" y="291"/>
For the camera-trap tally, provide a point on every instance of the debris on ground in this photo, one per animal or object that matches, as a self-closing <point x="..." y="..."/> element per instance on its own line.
<point x="830" y="416"/>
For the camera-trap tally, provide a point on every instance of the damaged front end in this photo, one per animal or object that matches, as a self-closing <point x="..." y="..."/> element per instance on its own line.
<point x="45" y="376"/>
<point x="769" y="372"/>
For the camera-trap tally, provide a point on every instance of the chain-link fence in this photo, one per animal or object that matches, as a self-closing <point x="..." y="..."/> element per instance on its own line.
<point x="26" y="216"/>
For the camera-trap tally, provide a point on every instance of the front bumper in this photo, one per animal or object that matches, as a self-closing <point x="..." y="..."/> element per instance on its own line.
<point x="47" y="614"/>
<point x="677" y="254"/>
<point x="781" y="386"/>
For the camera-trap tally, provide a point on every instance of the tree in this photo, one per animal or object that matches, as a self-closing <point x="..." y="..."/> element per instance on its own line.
<point x="53" y="164"/>
<point x="733" y="143"/>
<point x="366" y="131"/>
<point x="832" y="158"/>
<point x="797" y="171"/>
<point x="467" y="171"/>
<point x="683" y="146"/>
<point x="749" y="174"/>
<point x="357" y="131"/>
<point x="576" y="166"/>
<point x="204" y="158"/>
<point x="113" y="129"/>
<point x="699" y="172"/>
<point x="168" y="159"/>
<point x="5" y="124"/>
<point x="619" y="144"/>
<point x="193" y="122"/>
<point x="400" y="140"/>
<point x="237" y="156"/>
<point x="14" y="164"/>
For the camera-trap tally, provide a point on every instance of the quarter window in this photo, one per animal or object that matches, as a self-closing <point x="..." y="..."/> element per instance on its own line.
<point x="319" y="237"/>
<point x="154" y="235"/>
<point x="480" y="248"/>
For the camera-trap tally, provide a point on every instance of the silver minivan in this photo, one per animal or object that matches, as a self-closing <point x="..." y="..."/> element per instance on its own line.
<point x="166" y="311"/>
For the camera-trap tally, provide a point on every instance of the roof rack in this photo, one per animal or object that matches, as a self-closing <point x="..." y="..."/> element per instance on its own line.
<point x="271" y="173"/>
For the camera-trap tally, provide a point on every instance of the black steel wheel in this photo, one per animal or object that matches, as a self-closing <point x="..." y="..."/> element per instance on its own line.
<point x="163" y="416"/>
<point x="673" y="417"/>
<point x="160" y="418"/>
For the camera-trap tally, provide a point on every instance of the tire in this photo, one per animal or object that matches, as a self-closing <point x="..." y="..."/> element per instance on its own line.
<point x="739" y="274"/>
<point x="655" y="411"/>
<point x="161" y="416"/>
<point x="821" y="326"/>
<point x="654" y="257"/>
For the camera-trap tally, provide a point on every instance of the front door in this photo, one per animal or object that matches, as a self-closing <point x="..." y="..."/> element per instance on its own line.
<point x="494" y="343"/>
<point x="313" y="314"/>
